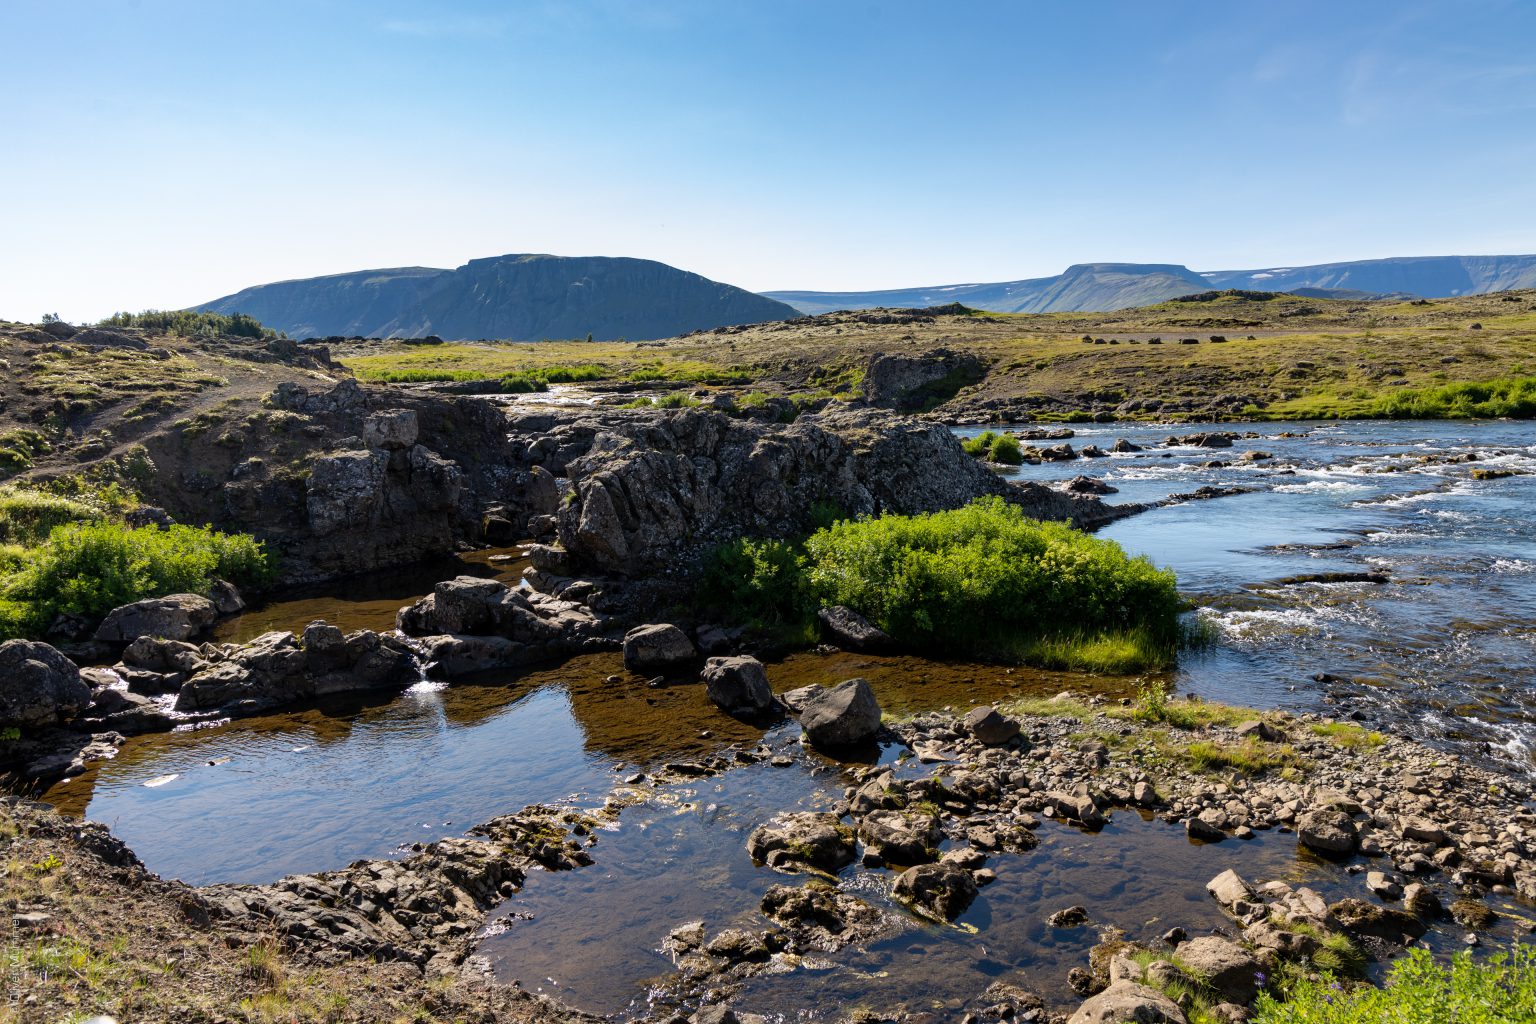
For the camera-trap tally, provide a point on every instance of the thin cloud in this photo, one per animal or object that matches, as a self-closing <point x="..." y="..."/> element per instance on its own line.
<point x="445" y="28"/>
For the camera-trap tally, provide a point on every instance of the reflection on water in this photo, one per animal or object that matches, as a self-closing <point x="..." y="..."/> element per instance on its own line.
<point x="685" y="859"/>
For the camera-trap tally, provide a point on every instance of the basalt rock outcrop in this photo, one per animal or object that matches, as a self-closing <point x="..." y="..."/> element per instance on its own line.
<point x="468" y="624"/>
<point x="649" y="494"/>
<point x="38" y="686"/>
<point x="917" y="383"/>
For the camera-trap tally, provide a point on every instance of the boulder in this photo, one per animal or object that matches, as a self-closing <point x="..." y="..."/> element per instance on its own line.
<point x="1127" y="1002"/>
<point x="656" y="648"/>
<point x="542" y="495"/>
<point x="902" y="837"/>
<point x="943" y="889"/>
<point x="177" y="617"/>
<point x="467" y="604"/>
<point x="851" y="631"/>
<point x="1229" y="969"/>
<point x="841" y="716"/>
<point x="1229" y="890"/>
<point x="1206" y="826"/>
<point x="39" y="687"/>
<point x="226" y="598"/>
<point x="394" y="430"/>
<point x="988" y="726"/>
<point x="451" y="655"/>
<point x="803" y="840"/>
<point x="738" y="684"/>
<point x="1079" y="807"/>
<point x="1372" y="920"/>
<point x="1328" y="831"/>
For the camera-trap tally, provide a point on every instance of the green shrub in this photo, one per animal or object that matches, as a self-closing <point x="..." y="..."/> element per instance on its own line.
<point x="1006" y="450"/>
<point x="759" y="582"/>
<point x="676" y="400"/>
<point x="985" y="580"/>
<point x="522" y="384"/>
<point x="90" y="568"/>
<point x="977" y="447"/>
<point x="185" y="323"/>
<point x="1501" y="990"/>
<point x="28" y="517"/>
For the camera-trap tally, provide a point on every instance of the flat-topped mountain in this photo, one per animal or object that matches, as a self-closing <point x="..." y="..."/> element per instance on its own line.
<point x="1112" y="286"/>
<point x="524" y="297"/>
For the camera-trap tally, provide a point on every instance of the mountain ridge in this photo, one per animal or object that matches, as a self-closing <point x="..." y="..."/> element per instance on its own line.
<point x="518" y="296"/>
<point x="1112" y="286"/>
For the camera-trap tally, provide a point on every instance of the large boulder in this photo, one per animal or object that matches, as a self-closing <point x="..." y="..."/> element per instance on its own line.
<point x="844" y="715"/>
<point x="944" y="889"/>
<point x="1362" y="918"/>
<point x="989" y="726"/>
<point x="851" y="631"/>
<point x="393" y="431"/>
<point x="738" y="685"/>
<point x="39" y="687"/>
<point x="1127" y="1002"/>
<point x="1328" y="831"/>
<point x="657" y="648"/>
<point x="177" y="617"/>
<point x="1229" y="969"/>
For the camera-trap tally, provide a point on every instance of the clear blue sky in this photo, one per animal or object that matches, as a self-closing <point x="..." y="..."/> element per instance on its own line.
<point x="164" y="152"/>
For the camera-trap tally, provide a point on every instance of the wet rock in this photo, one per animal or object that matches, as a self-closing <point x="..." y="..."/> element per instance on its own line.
<point x="1206" y="826"/>
<point x="841" y="716"/>
<point x="822" y="917"/>
<point x="738" y="685"/>
<point x="1420" y="900"/>
<point x="1371" y="920"/>
<point x="1122" y="446"/>
<point x="735" y="945"/>
<point x="38" y="686"/>
<point x="1229" y="969"/>
<point x="803" y="840"/>
<point x="1472" y="913"/>
<point x="226" y="598"/>
<point x="851" y="631"/>
<point x="1071" y="917"/>
<point x="176" y="617"/>
<point x="988" y="726"/>
<point x="452" y="656"/>
<point x="1328" y="831"/>
<point x="1089" y="484"/>
<point x="942" y="889"/>
<point x="719" y="1013"/>
<point x="656" y="648"/>
<point x="1078" y="807"/>
<point x="902" y="837"/>
<point x="1126" y="1002"/>
<point x="1380" y="884"/>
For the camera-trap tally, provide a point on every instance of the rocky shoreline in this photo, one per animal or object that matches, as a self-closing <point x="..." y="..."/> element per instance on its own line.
<point x="1430" y="841"/>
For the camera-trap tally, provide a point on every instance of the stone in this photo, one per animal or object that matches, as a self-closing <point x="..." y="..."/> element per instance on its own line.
<point x="656" y="648"/>
<point x="1420" y="900"/>
<point x="1229" y="890"/>
<point x="1071" y="917"/>
<point x="719" y="1013"/>
<point x="1257" y="729"/>
<point x="1229" y="969"/>
<point x="1206" y="826"/>
<point x="39" y="687"/>
<point x="841" y="716"/>
<point x="1128" y="1002"/>
<point x="1328" y="831"/>
<point x="1079" y="807"/>
<point x="394" y="430"/>
<point x="1422" y="830"/>
<point x="738" y="684"/>
<point x="990" y="727"/>
<point x="1145" y="795"/>
<point x="1372" y="920"/>
<point x="176" y="617"/>
<point x="468" y="604"/>
<point x="226" y="598"/>
<point x="902" y="836"/>
<point x="851" y="631"/>
<point x="944" y="890"/>
<point x="794" y="841"/>
<point x="1381" y="885"/>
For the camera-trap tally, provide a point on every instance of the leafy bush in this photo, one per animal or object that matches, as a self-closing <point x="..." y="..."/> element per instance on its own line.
<point x="760" y="582"/>
<point x="985" y="580"/>
<point x="1501" y="990"/>
<point x="92" y="567"/>
<point x="185" y="323"/>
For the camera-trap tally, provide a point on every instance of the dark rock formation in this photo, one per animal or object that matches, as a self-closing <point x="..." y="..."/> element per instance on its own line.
<point x="38" y="686"/>
<point x="918" y="383"/>
<point x="738" y="685"/>
<point x="844" y="715"/>
<point x="177" y="617"/>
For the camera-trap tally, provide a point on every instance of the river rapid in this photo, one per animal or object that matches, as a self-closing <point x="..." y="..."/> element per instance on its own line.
<point x="1364" y="571"/>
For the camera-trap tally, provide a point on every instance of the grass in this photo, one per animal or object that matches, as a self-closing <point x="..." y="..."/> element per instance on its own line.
<point x="676" y="400"/>
<point x="1251" y="757"/>
<point x="995" y="447"/>
<point x="1349" y="735"/>
<point x="1418" y="990"/>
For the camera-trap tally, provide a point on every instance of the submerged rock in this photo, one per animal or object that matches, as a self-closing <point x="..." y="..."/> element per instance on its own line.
<point x="803" y="840"/>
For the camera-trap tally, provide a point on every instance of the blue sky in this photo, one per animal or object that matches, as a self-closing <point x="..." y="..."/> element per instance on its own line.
<point x="163" y="152"/>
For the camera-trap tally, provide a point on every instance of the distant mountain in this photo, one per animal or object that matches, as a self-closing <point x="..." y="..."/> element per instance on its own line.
<point x="1111" y="286"/>
<point x="521" y="297"/>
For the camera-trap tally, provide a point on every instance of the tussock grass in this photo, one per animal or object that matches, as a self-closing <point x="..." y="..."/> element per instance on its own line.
<point x="1249" y="758"/>
<point x="1349" y="735"/>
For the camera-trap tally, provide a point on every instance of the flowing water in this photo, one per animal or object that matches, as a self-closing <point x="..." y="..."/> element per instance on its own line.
<point x="1441" y="645"/>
